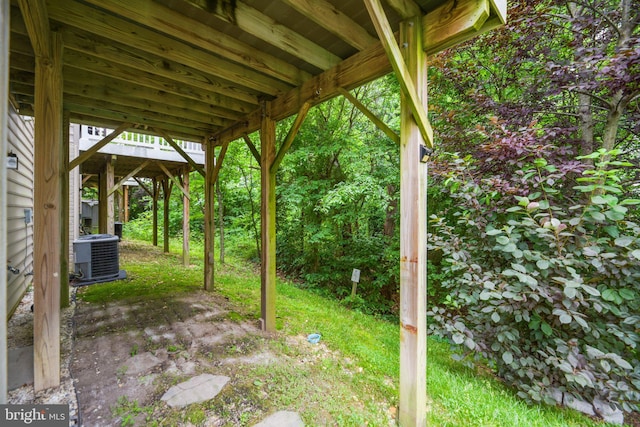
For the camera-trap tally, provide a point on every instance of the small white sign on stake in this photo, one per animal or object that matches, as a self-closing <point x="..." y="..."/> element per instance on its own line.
<point x="355" y="275"/>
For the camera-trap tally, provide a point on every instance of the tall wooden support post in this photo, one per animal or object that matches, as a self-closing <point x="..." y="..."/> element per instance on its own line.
<point x="209" y="224"/>
<point x="413" y="240"/>
<point x="186" y="228"/>
<point x="64" y="224"/>
<point x="125" y="189"/>
<point x="166" y="191"/>
<point x="47" y="216"/>
<point x="4" y="95"/>
<point x="106" y="205"/>
<point x="268" y="220"/>
<point x="154" y="209"/>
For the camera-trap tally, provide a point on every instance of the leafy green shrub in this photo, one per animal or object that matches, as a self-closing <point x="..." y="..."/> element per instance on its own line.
<point x="546" y="291"/>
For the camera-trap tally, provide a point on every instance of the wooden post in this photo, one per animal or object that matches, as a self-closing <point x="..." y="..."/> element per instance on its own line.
<point x="47" y="216"/>
<point x="106" y="208"/>
<point x="209" y="225"/>
<point x="125" y="188"/>
<point x="186" y="228"/>
<point x="156" y="191"/>
<point x="4" y="95"/>
<point x="64" y="224"/>
<point x="166" y="191"/>
<point x="268" y="220"/>
<point x="413" y="241"/>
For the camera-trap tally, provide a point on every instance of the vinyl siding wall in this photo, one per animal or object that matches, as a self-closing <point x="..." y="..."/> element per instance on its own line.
<point x="19" y="198"/>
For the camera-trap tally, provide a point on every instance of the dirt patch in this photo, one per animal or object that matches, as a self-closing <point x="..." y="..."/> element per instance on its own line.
<point x="129" y="351"/>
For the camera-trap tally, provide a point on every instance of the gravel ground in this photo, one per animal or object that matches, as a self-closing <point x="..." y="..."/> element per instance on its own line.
<point x="20" y="334"/>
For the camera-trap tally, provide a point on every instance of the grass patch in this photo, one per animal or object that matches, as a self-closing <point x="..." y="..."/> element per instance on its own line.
<point x="349" y="379"/>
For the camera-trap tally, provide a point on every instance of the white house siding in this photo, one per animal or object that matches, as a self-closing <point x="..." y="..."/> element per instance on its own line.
<point x="74" y="191"/>
<point x="19" y="198"/>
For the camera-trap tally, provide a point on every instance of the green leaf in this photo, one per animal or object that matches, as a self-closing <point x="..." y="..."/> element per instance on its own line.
<point x="546" y="329"/>
<point x="494" y="232"/>
<point x="636" y="254"/>
<point x="627" y="294"/>
<point x="612" y="231"/>
<point x="623" y="241"/>
<point x="509" y="248"/>
<point x="495" y="317"/>
<point x="614" y="215"/>
<point x="507" y="357"/>
<point x="565" y="318"/>
<point x="598" y="216"/>
<point x="570" y="292"/>
<point x="503" y="240"/>
<point x="591" y="290"/>
<point x="598" y="200"/>
<point x="542" y="264"/>
<point x="610" y="295"/>
<point x="458" y="338"/>
<point x="514" y="209"/>
<point x="630" y="202"/>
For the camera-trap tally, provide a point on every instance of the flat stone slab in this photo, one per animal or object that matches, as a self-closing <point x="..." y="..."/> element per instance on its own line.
<point x="198" y="389"/>
<point x="20" y="367"/>
<point x="282" y="419"/>
<point x="141" y="363"/>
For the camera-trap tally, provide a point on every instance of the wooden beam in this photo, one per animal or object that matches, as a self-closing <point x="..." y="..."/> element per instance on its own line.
<point x="186" y="228"/>
<point x="144" y="187"/>
<point x="352" y="72"/>
<point x="129" y="175"/>
<point x="209" y="224"/>
<point x="167" y="186"/>
<point x="173" y="178"/>
<point x="219" y="160"/>
<point x="268" y="222"/>
<point x="98" y="145"/>
<point x="180" y="151"/>
<point x="262" y="26"/>
<point x="413" y="240"/>
<point x="293" y="131"/>
<point x="154" y="209"/>
<point x="106" y="219"/>
<point x="36" y="19"/>
<point x="454" y="22"/>
<point x="252" y="148"/>
<point x="333" y="20"/>
<point x="371" y="116"/>
<point x="4" y="138"/>
<point x="395" y="57"/>
<point x="64" y="212"/>
<point x="405" y="8"/>
<point x="270" y="75"/>
<point x="47" y="216"/>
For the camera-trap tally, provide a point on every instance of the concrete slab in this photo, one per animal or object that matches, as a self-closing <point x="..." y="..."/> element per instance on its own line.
<point x="141" y="363"/>
<point x="19" y="367"/>
<point x="198" y="389"/>
<point x="282" y="419"/>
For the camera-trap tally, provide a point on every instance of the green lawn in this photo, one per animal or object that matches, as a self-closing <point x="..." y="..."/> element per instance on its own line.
<point x="456" y="396"/>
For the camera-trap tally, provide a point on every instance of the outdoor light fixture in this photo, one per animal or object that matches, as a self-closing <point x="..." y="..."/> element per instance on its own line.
<point x="425" y="153"/>
<point x="12" y="161"/>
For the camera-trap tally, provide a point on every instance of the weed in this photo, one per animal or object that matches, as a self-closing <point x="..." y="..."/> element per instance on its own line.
<point x="134" y="350"/>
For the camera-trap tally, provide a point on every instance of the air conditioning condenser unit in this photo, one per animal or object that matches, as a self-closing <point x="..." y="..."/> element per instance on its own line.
<point x="96" y="259"/>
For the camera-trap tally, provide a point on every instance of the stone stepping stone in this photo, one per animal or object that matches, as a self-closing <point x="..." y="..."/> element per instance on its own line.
<point x="141" y="363"/>
<point x="198" y="389"/>
<point x="282" y="419"/>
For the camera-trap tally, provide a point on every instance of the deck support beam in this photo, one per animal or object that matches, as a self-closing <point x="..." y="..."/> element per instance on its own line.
<point x="209" y="207"/>
<point x="64" y="223"/>
<point x="47" y="213"/>
<point x="167" y="186"/>
<point x="268" y="220"/>
<point x="106" y="204"/>
<point x="186" y="227"/>
<point x="154" y="208"/>
<point x="413" y="236"/>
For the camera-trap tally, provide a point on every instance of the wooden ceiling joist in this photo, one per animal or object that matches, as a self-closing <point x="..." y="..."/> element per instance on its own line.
<point x="175" y="180"/>
<point x="293" y="131"/>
